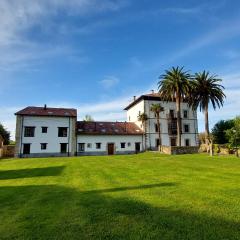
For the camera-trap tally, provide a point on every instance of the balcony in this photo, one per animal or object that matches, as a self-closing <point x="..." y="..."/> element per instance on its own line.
<point x="171" y="116"/>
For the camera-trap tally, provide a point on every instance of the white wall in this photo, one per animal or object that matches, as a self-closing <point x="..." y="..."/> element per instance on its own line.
<point x="51" y="137"/>
<point x="133" y="112"/>
<point x="152" y="135"/>
<point x="105" y="139"/>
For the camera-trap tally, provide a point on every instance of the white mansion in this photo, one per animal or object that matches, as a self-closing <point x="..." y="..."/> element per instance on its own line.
<point x="44" y="131"/>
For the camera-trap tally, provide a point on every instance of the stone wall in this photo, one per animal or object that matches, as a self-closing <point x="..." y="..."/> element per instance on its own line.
<point x="179" y="150"/>
<point x="7" y="151"/>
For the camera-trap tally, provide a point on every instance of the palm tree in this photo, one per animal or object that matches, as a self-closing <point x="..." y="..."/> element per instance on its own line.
<point x="157" y="109"/>
<point x="142" y="117"/>
<point x="175" y="85"/>
<point x="206" y="90"/>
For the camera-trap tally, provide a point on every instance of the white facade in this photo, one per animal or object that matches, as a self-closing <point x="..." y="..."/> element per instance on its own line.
<point x="50" y="138"/>
<point x="144" y="105"/>
<point x="123" y="144"/>
<point x="101" y="138"/>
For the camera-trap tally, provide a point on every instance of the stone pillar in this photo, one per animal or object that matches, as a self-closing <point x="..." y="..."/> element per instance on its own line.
<point x="73" y="136"/>
<point x="18" y="135"/>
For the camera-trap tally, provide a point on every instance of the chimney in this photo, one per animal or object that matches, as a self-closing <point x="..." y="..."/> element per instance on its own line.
<point x="45" y="106"/>
<point x="152" y="91"/>
<point x="134" y="98"/>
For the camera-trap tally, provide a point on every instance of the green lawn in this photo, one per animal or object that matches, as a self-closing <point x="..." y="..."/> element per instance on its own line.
<point x="145" y="196"/>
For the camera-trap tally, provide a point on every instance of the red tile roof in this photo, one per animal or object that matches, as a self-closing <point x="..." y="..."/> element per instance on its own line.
<point x="42" y="111"/>
<point x="108" y="128"/>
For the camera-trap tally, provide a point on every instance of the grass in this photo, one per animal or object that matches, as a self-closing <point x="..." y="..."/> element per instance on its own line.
<point x="145" y="196"/>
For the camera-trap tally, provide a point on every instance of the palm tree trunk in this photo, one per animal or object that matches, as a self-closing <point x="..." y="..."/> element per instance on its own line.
<point x="178" y="102"/>
<point x="207" y="137"/>
<point x="145" y="134"/>
<point x="159" y="131"/>
<point x="206" y="124"/>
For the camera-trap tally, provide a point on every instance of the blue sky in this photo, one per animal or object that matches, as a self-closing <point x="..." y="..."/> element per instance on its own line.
<point x="95" y="55"/>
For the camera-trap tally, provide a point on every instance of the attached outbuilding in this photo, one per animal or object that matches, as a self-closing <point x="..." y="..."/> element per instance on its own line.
<point x="108" y="138"/>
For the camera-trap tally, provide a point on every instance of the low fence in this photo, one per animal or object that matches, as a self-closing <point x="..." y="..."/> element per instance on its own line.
<point x="7" y="151"/>
<point x="178" y="150"/>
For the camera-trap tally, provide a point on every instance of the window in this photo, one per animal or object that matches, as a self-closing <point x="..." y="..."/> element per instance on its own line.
<point x="157" y="142"/>
<point x="62" y="132"/>
<point x="172" y="128"/>
<point x="123" y="145"/>
<point x="81" y="147"/>
<point x="129" y="144"/>
<point x="29" y="131"/>
<point x="171" y="113"/>
<point x="89" y="145"/>
<point x="26" y="148"/>
<point x="186" y="128"/>
<point x="185" y="114"/>
<point x="187" y="142"/>
<point x="173" y="142"/>
<point x="43" y="146"/>
<point x="44" y="129"/>
<point x="63" y="147"/>
<point x="98" y="145"/>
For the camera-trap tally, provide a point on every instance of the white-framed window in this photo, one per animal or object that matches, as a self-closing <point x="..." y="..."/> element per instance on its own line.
<point x="62" y="131"/>
<point x="43" y="146"/>
<point x="89" y="145"/>
<point x="185" y="113"/>
<point x="81" y="147"/>
<point x="44" y="129"/>
<point x="29" y="131"/>
<point x="186" y="128"/>
<point x="187" y="142"/>
<point x="123" y="145"/>
<point x="98" y="145"/>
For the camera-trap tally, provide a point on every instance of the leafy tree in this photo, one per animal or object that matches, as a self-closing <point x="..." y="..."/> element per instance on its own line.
<point x="219" y="131"/>
<point x="157" y="109"/>
<point x="233" y="134"/>
<point x="88" y="118"/>
<point x="207" y="90"/>
<point x="201" y="137"/>
<point x="5" y="134"/>
<point x="175" y="85"/>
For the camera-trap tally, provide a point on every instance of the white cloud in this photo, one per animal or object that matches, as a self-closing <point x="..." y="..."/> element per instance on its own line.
<point x="18" y="50"/>
<point x="109" y="82"/>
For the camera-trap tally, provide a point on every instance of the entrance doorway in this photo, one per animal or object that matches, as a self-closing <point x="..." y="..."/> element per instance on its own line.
<point x="137" y="147"/>
<point x="26" y="148"/>
<point x="110" y="148"/>
<point x="173" y="142"/>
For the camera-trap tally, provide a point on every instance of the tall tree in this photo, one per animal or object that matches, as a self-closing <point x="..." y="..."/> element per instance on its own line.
<point x="88" y="118"/>
<point x="219" y="131"/>
<point x="143" y="117"/>
<point x="207" y="90"/>
<point x="157" y="109"/>
<point x="233" y="135"/>
<point x="5" y="134"/>
<point x="174" y="85"/>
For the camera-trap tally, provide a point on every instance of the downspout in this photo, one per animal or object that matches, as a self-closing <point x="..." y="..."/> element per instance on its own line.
<point x="68" y="134"/>
<point x="21" y="137"/>
<point x="149" y="132"/>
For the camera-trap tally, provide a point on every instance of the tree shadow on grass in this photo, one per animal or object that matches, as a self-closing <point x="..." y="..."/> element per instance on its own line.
<point x="54" y="212"/>
<point x="120" y="189"/>
<point x="31" y="172"/>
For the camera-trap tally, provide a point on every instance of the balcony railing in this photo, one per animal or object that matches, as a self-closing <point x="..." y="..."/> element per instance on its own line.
<point x="171" y="116"/>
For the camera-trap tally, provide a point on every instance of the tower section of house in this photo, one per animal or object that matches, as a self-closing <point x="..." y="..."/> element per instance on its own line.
<point x="108" y="138"/>
<point x="44" y="131"/>
<point x="168" y="122"/>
